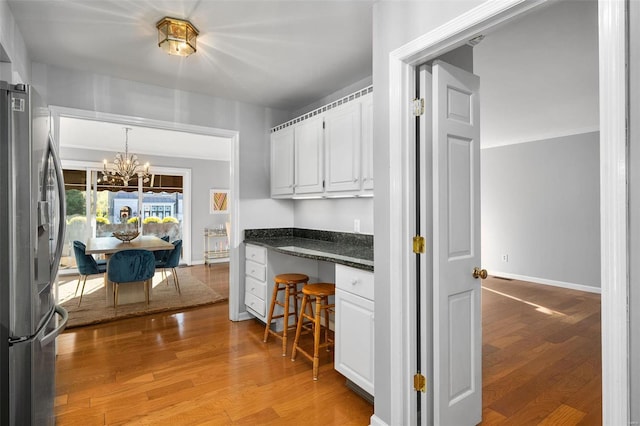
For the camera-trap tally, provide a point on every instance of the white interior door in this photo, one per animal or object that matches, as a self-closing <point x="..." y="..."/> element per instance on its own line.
<point x="457" y="330"/>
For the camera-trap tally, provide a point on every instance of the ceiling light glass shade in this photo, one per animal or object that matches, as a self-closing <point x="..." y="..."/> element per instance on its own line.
<point x="177" y="37"/>
<point x="125" y="167"/>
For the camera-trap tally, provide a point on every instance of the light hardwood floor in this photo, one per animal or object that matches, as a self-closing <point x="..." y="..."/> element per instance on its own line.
<point x="194" y="368"/>
<point x="541" y="365"/>
<point x="541" y="355"/>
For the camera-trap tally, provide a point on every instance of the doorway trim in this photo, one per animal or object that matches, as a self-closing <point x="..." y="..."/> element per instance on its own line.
<point x="234" y="178"/>
<point x="613" y="173"/>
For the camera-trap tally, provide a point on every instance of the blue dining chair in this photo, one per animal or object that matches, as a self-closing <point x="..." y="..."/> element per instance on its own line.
<point x="87" y="265"/>
<point x="172" y="262"/>
<point x="128" y="266"/>
<point x="161" y="255"/>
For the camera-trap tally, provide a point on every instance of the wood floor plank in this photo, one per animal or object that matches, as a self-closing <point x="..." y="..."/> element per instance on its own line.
<point x="563" y="415"/>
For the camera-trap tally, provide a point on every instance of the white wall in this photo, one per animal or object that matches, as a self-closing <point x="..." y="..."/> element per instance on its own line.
<point x="93" y="92"/>
<point x="334" y="214"/>
<point x="541" y="207"/>
<point x="394" y="24"/>
<point x="15" y="65"/>
<point x="539" y="75"/>
<point x="205" y="174"/>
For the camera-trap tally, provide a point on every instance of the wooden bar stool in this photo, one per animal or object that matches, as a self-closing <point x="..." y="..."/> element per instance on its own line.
<point x="289" y="284"/>
<point x="321" y="293"/>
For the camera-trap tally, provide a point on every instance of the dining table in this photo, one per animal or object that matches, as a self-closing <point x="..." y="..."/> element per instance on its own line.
<point x="132" y="292"/>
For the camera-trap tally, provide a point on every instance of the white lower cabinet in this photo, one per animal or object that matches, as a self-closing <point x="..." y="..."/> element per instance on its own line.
<point x="354" y="326"/>
<point x="255" y="269"/>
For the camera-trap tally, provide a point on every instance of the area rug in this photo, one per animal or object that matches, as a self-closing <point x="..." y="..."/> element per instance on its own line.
<point x="164" y="297"/>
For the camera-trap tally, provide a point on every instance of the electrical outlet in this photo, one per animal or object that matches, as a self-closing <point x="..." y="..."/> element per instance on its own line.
<point x="505" y="257"/>
<point x="356" y="225"/>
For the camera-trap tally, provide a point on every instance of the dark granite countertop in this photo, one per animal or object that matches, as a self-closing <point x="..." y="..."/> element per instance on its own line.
<point x="355" y="250"/>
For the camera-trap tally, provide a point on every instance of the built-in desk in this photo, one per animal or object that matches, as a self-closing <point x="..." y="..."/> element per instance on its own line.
<point x="355" y="250"/>
<point x="343" y="258"/>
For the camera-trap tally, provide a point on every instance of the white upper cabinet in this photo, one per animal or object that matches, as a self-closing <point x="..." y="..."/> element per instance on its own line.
<point x="282" y="162"/>
<point x="327" y="152"/>
<point x="343" y="142"/>
<point x="367" y="142"/>
<point x="308" y="157"/>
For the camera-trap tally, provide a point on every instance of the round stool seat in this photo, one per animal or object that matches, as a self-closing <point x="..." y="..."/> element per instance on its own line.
<point x="291" y="278"/>
<point x="319" y="289"/>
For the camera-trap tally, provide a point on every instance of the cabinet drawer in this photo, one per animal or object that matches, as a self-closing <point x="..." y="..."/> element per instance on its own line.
<point x="255" y="304"/>
<point x="256" y="253"/>
<point x="355" y="281"/>
<point x="255" y="270"/>
<point x="257" y="288"/>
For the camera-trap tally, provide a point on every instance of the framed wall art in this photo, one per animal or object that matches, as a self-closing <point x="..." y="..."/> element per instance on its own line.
<point x="218" y="201"/>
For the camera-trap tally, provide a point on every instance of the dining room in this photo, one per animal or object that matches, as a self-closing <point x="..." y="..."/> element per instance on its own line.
<point x="172" y="204"/>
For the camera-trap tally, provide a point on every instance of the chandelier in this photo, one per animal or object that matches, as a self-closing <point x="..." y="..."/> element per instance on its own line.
<point x="176" y="36"/>
<point x="125" y="167"/>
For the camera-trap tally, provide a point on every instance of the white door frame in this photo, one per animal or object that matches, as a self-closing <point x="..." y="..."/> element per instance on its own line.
<point x="613" y="192"/>
<point x="234" y="178"/>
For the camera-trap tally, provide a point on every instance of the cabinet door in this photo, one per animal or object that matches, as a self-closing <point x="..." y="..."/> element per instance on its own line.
<point x="282" y="162"/>
<point x="308" y="157"/>
<point x="354" y="339"/>
<point x="343" y="140"/>
<point x="367" y="142"/>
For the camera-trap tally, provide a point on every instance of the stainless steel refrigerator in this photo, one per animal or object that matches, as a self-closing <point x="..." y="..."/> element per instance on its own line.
<point x="32" y="212"/>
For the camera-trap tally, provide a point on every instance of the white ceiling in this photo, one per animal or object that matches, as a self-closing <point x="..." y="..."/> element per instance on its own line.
<point x="280" y="54"/>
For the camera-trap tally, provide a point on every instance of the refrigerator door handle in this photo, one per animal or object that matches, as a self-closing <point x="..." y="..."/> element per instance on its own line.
<point x="62" y="209"/>
<point x="51" y="336"/>
<point x="31" y="338"/>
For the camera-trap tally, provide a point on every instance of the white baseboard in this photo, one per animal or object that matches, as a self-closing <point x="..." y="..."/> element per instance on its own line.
<point x="376" y="421"/>
<point x="244" y="316"/>
<point x="571" y="286"/>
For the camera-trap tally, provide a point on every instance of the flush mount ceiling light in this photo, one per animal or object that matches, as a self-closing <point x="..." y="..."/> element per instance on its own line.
<point x="176" y="36"/>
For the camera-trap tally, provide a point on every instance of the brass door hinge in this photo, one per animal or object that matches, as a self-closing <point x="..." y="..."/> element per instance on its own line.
<point x="419" y="383"/>
<point x="418" y="244"/>
<point x="418" y="107"/>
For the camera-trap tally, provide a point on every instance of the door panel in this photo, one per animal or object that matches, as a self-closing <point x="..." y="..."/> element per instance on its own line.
<point x="282" y="162"/>
<point x="461" y="344"/>
<point x="342" y="136"/>
<point x="354" y="356"/>
<point x="459" y="180"/>
<point x="456" y="224"/>
<point x="309" y="159"/>
<point x="367" y="142"/>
